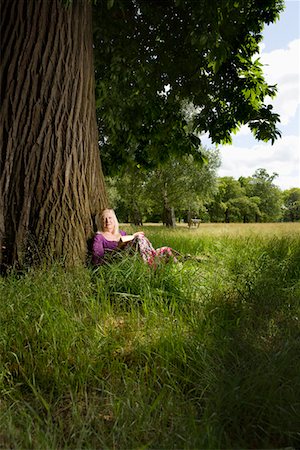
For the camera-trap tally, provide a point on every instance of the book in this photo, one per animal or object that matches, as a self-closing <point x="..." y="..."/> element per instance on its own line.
<point x="125" y="239"/>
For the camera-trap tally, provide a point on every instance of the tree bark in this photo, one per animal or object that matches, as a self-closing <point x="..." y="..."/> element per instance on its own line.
<point x="227" y="216"/>
<point x="136" y="215"/>
<point x="169" y="216"/>
<point x="51" y="181"/>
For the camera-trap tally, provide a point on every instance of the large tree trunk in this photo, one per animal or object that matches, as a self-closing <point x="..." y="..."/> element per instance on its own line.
<point x="227" y="216"/>
<point x="51" y="181"/>
<point x="168" y="215"/>
<point x="136" y="215"/>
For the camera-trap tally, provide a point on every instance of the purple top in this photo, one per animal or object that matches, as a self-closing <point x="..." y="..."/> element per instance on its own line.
<point x="102" y="245"/>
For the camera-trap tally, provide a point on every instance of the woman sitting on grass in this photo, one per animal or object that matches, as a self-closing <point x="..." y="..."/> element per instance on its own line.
<point x="110" y="239"/>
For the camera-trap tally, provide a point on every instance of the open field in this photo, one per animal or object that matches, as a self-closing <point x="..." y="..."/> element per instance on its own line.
<point x="242" y="229"/>
<point x="194" y="355"/>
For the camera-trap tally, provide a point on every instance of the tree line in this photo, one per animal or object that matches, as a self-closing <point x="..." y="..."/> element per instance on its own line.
<point x="183" y="189"/>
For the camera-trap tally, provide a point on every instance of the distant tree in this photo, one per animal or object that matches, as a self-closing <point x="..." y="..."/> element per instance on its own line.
<point x="216" y="209"/>
<point x="261" y="185"/>
<point x="179" y="185"/>
<point x="182" y="185"/>
<point x="291" y="204"/>
<point x="223" y="207"/>
<point x="127" y="194"/>
<point x="243" y="209"/>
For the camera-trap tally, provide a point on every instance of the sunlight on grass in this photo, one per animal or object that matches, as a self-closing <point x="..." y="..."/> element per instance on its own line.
<point x="192" y="355"/>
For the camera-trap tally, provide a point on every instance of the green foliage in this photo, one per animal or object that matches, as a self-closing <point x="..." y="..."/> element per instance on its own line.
<point x="127" y="194"/>
<point x="291" y="206"/>
<point x="181" y="183"/>
<point x="261" y="185"/>
<point x="193" y="355"/>
<point x="249" y="199"/>
<point x="153" y="57"/>
<point x="190" y="186"/>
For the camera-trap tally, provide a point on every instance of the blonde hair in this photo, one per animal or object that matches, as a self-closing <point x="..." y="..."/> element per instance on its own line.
<point x="116" y="223"/>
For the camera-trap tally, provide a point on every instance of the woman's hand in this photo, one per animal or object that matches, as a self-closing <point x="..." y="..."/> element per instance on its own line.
<point x="139" y="234"/>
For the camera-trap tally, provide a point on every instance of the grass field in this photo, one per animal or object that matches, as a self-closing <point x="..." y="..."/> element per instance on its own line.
<point x="194" y="355"/>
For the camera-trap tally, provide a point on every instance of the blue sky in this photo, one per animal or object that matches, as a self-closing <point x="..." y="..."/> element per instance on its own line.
<point x="280" y="54"/>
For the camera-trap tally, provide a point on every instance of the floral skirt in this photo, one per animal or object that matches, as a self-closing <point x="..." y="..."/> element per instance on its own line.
<point x="149" y="254"/>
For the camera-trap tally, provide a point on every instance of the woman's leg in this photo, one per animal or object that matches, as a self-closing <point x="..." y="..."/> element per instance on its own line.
<point x="142" y="245"/>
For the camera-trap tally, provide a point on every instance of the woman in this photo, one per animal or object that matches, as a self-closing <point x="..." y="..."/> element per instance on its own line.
<point x="109" y="239"/>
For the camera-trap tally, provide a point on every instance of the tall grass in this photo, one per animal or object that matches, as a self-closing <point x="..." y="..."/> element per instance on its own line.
<point x="190" y="355"/>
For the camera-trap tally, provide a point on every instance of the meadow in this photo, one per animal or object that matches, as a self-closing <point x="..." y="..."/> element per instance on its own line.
<point x="202" y="354"/>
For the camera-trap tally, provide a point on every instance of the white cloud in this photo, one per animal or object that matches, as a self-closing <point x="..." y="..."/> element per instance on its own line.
<point x="245" y="156"/>
<point x="282" y="67"/>
<point x="244" y="131"/>
<point x="262" y="46"/>
<point x="283" y="158"/>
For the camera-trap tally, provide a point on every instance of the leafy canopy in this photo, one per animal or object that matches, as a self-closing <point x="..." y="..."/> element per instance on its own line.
<point x="154" y="56"/>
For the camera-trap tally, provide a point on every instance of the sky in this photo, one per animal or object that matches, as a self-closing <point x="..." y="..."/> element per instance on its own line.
<point x="280" y="55"/>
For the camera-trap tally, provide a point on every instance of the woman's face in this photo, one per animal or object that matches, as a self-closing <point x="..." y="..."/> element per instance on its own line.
<point x="108" y="221"/>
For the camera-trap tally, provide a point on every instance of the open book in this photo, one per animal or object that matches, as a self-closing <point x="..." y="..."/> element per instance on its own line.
<point x="124" y="240"/>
